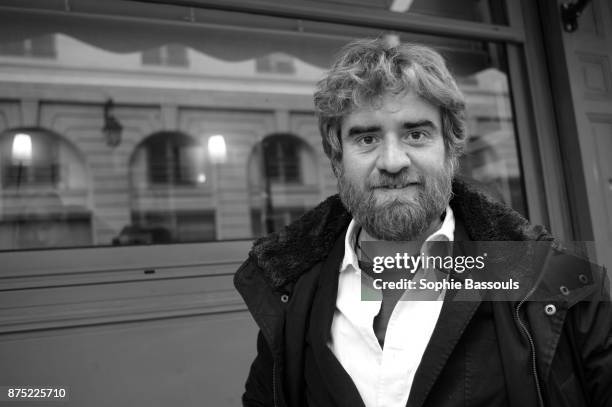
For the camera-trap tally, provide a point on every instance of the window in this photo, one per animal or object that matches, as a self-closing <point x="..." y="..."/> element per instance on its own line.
<point x="168" y="227"/>
<point x="275" y="63"/>
<point x="46" y="226"/>
<point x="283" y="182"/>
<point x="486" y="11"/>
<point x="168" y="55"/>
<point x="37" y="47"/>
<point x="44" y="195"/>
<point x="245" y="79"/>
<point x="282" y="159"/>
<point x="171" y="159"/>
<point x="30" y="158"/>
<point x="18" y="175"/>
<point x="492" y="156"/>
<point x="41" y="159"/>
<point x="171" y="191"/>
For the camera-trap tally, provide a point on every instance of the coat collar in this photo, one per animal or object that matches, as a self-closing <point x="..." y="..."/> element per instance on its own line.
<point x="285" y="255"/>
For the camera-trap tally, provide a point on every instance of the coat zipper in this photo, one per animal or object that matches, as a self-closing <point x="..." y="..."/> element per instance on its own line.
<point x="532" y="346"/>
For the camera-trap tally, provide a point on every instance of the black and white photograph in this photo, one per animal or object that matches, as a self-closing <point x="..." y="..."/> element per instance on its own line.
<point x="305" y="203"/>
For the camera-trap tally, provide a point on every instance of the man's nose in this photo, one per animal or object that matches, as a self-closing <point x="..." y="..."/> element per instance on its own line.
<point x="392" y="157"/>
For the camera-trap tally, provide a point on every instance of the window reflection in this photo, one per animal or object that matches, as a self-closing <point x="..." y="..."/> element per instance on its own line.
<point x="276" y="62"/>
<point x="485" y="11"/>
<point x="167" y="55"/>
<point x="492" y="158"/>
<point x="282" y="159"/>
<point x="30" y="163"/>
<point x="36" y="47"/>
<point x="283" y="182"/>
<point x="172" y="158"/>
<point x="218" y="137"/>
<point x="44" y="191"/>
<point x="170" y="192"/>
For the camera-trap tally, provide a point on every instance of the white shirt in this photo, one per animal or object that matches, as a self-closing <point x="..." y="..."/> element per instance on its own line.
<point x="383" y="377"/>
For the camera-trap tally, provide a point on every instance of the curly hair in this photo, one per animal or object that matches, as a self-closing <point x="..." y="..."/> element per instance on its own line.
<point x="368" y="69"/>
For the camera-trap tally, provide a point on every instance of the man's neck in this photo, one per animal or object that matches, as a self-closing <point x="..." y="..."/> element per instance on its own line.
<point x="413" y="245"/>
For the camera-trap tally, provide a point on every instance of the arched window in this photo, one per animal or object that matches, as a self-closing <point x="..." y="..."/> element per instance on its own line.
<point x="282" y="181"/>
<point x="44" y="191"/>
<point x="30" y="157"/>
<point x="171" y="193"/>
<point x="281" y="155"/>
<point x="170" y="158"/>
<point x="35" y="158"/>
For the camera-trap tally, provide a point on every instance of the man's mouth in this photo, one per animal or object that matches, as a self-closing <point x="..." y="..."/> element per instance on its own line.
<point x="397" y="186"/>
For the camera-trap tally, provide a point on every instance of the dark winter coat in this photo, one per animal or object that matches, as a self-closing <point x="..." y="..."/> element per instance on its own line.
<point x="556" y="351"/>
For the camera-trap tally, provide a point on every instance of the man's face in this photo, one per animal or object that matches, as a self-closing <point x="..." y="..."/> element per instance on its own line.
<point x="395" y="178"/>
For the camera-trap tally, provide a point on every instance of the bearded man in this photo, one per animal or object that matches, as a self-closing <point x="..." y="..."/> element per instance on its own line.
<point x="392" y="123"/>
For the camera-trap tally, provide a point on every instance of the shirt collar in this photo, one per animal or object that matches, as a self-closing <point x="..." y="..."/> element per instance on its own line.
<point x="445" y="232"/>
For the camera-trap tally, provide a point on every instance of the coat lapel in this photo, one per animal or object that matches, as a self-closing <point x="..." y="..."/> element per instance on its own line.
<point x="452" y="322"/>
<point x="338" y="381"/>
<point x="454" y="318"/>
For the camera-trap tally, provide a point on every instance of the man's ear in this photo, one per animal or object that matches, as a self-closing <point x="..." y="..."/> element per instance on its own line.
<point x="336" y="168"/>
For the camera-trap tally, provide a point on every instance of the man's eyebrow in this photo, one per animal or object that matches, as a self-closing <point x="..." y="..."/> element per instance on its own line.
<point x="362" y="129"/>
<point x="417" y="124"/>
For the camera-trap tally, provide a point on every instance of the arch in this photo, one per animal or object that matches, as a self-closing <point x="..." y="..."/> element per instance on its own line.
<point x="45" y="191"/>
<point x="167" y="158"/>
<point x="170" y="191"/>
<point x="282" y="179"/>
<point x="55" y="162"/>
<point x="290" y="160"/>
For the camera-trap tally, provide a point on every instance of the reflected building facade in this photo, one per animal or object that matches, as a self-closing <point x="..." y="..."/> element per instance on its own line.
<point x="174" y="89"/>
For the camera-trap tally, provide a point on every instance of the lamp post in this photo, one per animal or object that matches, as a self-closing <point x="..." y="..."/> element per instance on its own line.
<point x="268" y="215"/>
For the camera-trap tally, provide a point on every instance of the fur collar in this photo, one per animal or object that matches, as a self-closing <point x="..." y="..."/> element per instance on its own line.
<point x="284" y="255"/>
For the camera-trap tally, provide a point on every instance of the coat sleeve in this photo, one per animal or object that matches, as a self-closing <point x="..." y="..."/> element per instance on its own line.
<point x="259" y="385"/>
<point x="593" y="332"/>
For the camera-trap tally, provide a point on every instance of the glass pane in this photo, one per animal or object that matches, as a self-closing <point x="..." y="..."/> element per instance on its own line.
<point x="483" y="11"/>
<point x="210" y="133"/>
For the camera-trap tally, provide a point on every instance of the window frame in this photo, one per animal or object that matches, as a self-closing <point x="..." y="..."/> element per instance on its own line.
<point x="364" y="17"/>
<point x="531" y="93"/>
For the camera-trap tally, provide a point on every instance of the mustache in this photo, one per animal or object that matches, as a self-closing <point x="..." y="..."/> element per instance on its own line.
<point x="399" y="179"/>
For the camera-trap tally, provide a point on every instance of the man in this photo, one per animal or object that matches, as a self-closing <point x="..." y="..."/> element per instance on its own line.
<point x="392" y="122"/>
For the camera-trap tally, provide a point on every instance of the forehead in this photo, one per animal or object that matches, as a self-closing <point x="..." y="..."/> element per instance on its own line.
<point x="390" y="109"/>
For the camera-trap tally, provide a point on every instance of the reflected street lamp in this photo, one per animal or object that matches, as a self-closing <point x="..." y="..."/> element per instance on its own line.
<point x="21" y="153"/>
<point x="217" y="149"/>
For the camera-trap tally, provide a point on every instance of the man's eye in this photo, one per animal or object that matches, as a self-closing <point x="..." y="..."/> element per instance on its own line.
<point x="416" y="136"/>
<point x="366" y="140"/>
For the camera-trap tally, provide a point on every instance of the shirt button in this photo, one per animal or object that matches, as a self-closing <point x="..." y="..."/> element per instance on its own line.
<point x="550" y="309"/>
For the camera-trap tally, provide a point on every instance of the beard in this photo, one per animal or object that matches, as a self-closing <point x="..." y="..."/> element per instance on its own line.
<point x="398" y="219"/>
